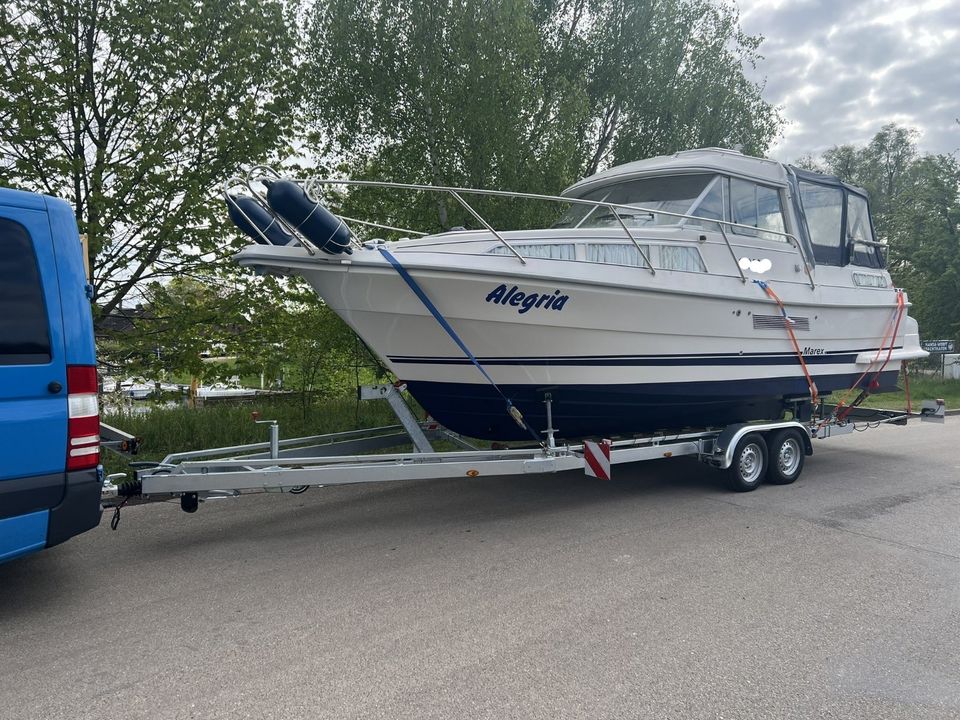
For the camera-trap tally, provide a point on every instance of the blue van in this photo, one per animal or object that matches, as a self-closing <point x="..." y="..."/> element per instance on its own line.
<point x="49" y="416"/>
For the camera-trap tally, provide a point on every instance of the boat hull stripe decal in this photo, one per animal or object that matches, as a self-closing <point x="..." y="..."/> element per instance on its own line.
<point x="831" y="358"/>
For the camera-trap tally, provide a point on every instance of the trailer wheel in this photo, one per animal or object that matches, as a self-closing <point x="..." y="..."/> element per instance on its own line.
<point x="749" y="463"/>
<point x="787" y="454"/>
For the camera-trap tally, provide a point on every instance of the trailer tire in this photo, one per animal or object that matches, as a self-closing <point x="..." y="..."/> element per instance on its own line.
<point x="749" y="465"/>
<point x="787" y="453"/>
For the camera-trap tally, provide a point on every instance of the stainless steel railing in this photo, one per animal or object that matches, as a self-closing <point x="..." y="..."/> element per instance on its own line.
<point x="311" y="184"/>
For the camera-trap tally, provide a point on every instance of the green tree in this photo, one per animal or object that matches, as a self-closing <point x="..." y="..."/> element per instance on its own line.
<point x="667" y="76"/>
<point x="922" y="231"/>
<point x="179" y="323"/>
<point x="520" y="94"/>
<point x="135" y="111"/>
<point x="290" y="334"/>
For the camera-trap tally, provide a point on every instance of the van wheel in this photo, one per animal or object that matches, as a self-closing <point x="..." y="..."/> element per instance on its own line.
<point x="787" y="454"/>
<point x="749" y="463"/>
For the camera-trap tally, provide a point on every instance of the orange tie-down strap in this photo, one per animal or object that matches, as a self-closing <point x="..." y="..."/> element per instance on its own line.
<point x="842" y="409"/>
<point x="788" y="324"/>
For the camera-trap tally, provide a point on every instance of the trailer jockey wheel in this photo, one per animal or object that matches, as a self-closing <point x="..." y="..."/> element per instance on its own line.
<point x="189" y="502"/>
<point x="749" y="463"/>
<point x="787" y="454"/>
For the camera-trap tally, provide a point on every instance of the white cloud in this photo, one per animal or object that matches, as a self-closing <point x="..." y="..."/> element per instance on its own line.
<point x="841" y="69"/>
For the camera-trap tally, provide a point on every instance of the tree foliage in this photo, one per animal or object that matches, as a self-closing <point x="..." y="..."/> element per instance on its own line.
<point x="523" y="94"/>
<point x="267" y="327"/>
<point x="304" y="343"/>
<point x="179" y="323"/>
<point x="136" y="111"/>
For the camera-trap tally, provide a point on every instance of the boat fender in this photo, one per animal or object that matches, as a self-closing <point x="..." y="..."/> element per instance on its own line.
<point x="313" y="220"/>
<point x="257" y="218"/>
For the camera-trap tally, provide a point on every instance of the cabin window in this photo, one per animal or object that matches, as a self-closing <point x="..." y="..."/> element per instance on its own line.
<point x="678" y="257"/>
<point x="869" y="280"/>
<point x="675" y="194"/>
<point x="860" y="233"/>
<point x="823" y="210"/>
<point x="710" y="205"/>
<point x="558" y="251"/>
<point x="757" y="206"/>
<point x="617" y="254"/>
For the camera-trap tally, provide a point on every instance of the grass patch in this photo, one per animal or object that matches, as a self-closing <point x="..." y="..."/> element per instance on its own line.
<point x="921" y="388"/>
<point x="167" y="430"/>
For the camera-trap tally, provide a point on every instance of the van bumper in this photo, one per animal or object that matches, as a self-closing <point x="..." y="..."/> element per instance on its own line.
<point x="80" y="509"/>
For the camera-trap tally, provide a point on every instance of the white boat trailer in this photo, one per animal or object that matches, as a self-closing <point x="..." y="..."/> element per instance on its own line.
<point x="749" y="453"/>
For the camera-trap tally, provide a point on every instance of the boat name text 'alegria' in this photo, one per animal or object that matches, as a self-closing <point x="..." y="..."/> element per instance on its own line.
<point x="524" y="302"/>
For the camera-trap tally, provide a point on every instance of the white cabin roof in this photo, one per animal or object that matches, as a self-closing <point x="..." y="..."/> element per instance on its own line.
<point x="730" y="162"/>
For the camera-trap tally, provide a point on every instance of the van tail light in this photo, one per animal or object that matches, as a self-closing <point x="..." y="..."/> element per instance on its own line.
<point x="83" y="423"/>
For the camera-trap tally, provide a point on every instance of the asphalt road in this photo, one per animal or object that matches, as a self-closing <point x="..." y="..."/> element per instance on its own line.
<point x="656" y="595"/>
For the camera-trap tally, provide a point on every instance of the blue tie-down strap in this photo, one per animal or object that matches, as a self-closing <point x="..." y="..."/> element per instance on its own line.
<point x="512" y="409"/>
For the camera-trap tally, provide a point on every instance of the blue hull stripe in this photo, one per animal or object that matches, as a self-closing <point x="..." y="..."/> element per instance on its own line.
<point x="787" y="358"/>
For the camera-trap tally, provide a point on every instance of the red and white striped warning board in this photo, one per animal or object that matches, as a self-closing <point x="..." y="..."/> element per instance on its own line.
<point x="596" y="459"/>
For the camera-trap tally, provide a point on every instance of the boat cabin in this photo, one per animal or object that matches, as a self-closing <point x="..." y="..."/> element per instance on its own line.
<point x="752" y="197"/>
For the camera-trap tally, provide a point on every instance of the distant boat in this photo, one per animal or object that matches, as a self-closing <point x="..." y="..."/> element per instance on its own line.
<point x="136" y="390"/>
<point x="220" y="390"/>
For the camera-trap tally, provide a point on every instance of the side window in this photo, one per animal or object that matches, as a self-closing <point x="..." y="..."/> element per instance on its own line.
<point x="545" y="251"/>
<point x="757" y="206"/>
<point x="860" y="234"/>
<point x="24" y="335"/>
<point x="710" y="204"/>
<point x="823" y="209"/>
<point x="676" y="257"/>
<point x="617" y="254"/>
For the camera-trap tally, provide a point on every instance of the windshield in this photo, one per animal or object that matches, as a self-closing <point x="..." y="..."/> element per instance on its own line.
<point x="698" y="195"/>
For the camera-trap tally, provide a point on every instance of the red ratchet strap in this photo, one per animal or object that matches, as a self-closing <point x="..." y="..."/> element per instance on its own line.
<point x="788" y="324"/>
<point x="906" y="386"/>
<point x="841" y="412"/>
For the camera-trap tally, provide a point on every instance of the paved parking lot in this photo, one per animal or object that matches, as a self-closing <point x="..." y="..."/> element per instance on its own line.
<point x="656" y="595"/>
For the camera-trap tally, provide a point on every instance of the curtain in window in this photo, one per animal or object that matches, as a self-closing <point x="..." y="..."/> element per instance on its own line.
<point x="548" y="252"/>
<point x="675" y="257"/>
<point x="617" y="254"/>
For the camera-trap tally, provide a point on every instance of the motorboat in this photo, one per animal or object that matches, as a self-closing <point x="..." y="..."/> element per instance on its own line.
<point x="698" y="289"/>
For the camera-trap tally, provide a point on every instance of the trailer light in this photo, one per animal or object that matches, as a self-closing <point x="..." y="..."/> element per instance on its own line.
<point x="473" y="473"/>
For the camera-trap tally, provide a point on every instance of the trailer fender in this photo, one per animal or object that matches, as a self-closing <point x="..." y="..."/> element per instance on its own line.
<point x="726" y="442"/>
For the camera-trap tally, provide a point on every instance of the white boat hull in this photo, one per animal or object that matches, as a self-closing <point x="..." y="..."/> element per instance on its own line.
<point x="627" y="352"/>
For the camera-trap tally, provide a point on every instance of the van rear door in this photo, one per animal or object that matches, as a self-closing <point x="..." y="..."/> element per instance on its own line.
<point x="33" y="376"/>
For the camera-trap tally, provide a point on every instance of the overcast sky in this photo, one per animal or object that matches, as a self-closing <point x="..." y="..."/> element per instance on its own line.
<point x="841" y="69"/>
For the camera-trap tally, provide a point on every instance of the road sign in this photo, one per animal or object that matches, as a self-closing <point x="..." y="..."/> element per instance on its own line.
<point x="937" y="346"/>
